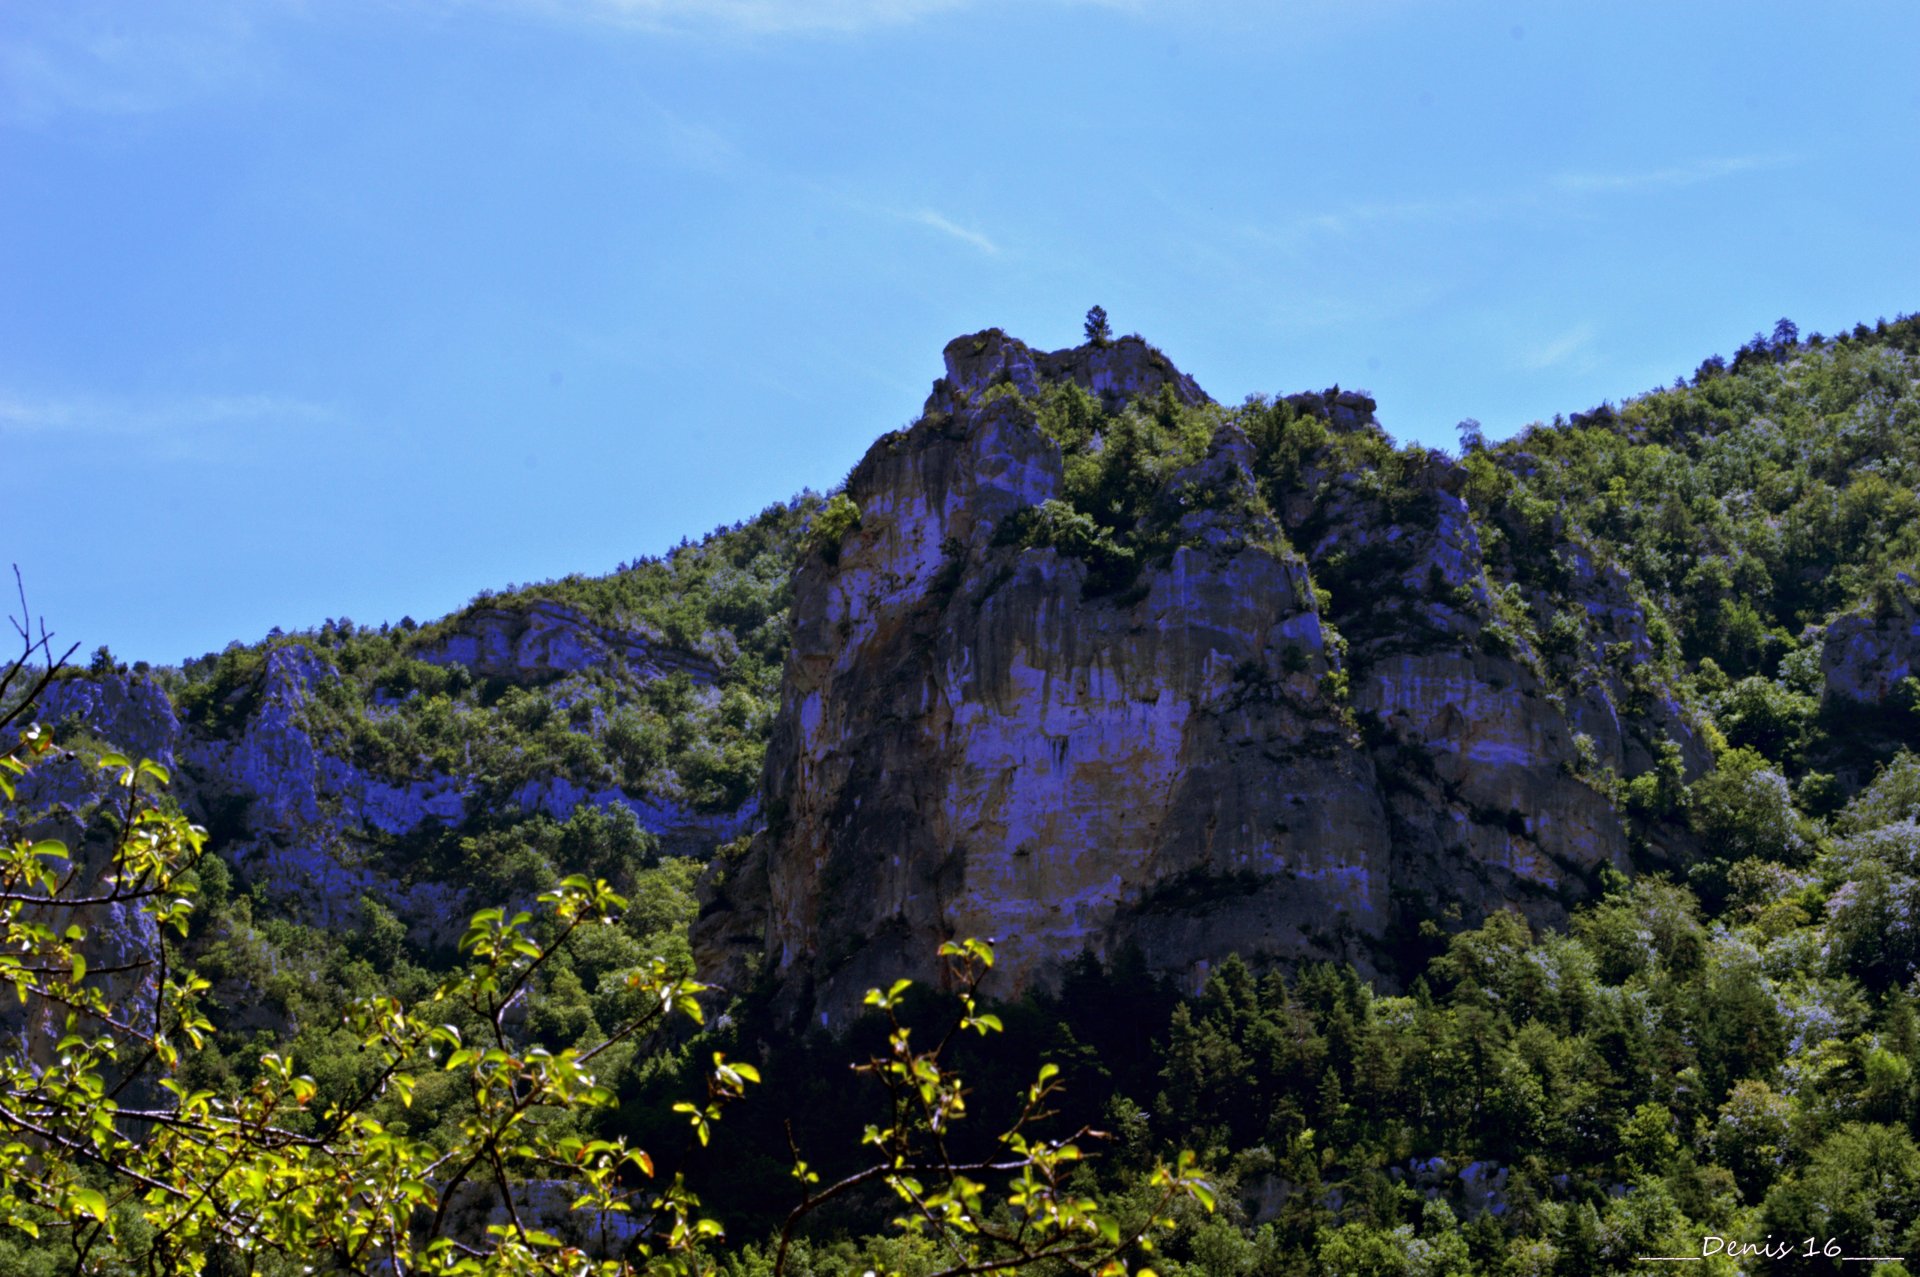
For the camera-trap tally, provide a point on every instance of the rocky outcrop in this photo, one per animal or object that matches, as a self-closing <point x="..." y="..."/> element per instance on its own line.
<point x="1115" y="372"/>
<point x="1869" y="653"/>
<point x="1492" y="747"/>
<point x="682" y="830"/>
<point x="543" y="640"/>
<point x="291" y="815"/>
<point x="297" y="815"/>
<point x="972" y="742"/>
<point x="55" y="800"/>
<point x="306" y="814"/>
<point x="132" y="712"/>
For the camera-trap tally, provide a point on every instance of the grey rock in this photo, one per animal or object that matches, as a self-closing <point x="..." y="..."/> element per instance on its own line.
<point x="1868" y="653"/>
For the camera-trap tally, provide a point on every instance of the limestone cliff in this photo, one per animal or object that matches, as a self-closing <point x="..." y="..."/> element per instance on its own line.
<point x="981" y="735"/>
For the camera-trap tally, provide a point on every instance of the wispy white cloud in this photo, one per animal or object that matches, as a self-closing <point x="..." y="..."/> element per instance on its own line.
<point x="1569" y="347"/>
<point x="93" y="58"/>
<point x="1549" y="193"/>
<point x="1692" y="174"/>
<point x="760" y="17"/>
<point x="838" y="196"/>
<point x="197" y="426"/>
<point x="695" y="144"/>
<point x="927" y="217"/>
<point x="1355" y="217"/>
<point x="767" y="17"/>
<point x="113" y="58"/>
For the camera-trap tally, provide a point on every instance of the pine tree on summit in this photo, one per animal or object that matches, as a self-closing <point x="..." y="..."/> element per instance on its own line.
<point x="1099" y="332"/>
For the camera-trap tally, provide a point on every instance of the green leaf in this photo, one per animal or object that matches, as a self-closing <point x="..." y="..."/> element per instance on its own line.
<point x="88" y="1201"/>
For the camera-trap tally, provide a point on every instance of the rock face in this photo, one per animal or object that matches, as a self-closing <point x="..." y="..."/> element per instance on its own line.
<point x="1116" y="372"/>
<point x="305" y="812"/>
<point x="294" y="812"/>
<point x="973" y="743"/>
<point x="300" y="814"/>
<point x="547" y="639"/>
<point x="1869" y="653"/>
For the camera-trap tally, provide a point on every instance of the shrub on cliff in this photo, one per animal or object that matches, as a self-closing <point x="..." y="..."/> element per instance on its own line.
<point x="838" y="517"/>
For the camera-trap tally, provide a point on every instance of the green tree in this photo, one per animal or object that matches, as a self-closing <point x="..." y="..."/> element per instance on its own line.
<point x="1760" y="713"/>
<point x="1750" y="1138"/>
<point x="1872" y="924"/>
<point x="1862" y="1186"/>
<point x="1893" y="796"/>
<point x="112" y="1161"/>
<point x="1744" y="808"/>
<point x="1099" y="332"/>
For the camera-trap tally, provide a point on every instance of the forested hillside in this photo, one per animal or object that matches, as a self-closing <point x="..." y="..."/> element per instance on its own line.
<point x="1722" y="1045"/>
<point x="1700" y="1016"/>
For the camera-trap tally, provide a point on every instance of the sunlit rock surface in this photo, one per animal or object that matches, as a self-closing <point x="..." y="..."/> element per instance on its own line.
<point x="972" y="744"/>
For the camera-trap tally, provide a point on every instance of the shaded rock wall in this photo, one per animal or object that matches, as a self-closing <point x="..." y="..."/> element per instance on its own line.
<point x="1868" y="654"/>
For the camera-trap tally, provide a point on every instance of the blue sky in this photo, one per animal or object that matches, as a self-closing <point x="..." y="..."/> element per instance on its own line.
<point x="355" y="308"/>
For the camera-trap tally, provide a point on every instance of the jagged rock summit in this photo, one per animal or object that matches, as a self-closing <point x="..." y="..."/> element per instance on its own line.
<point x="1017" y="707"/>
<point x="1116" y="371"/>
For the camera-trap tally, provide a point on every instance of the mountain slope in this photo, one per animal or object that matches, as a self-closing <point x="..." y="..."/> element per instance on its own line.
<point x="1086" y="661"/>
